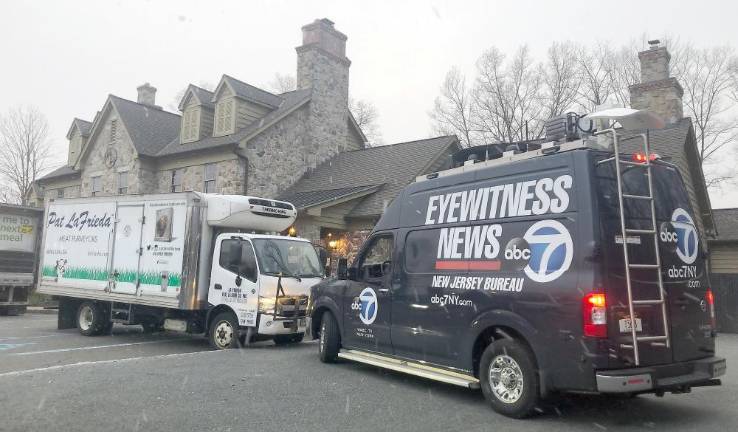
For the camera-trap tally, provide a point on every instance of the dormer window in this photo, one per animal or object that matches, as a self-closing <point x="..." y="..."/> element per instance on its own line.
<point x="190" y="125"/>
<point x="224" y="117"/>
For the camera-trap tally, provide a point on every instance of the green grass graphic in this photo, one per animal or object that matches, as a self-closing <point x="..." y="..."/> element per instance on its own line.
<point x="146" y="277"/>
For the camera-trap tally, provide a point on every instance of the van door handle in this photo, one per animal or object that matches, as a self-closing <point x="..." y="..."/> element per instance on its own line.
<point x="218" y="286"/>
<point x="383" y="290"/>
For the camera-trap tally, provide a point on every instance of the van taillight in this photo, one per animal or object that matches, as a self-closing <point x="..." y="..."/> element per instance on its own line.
<point x="711" y="304"/>
<point x="594" y="312"/>
<point x="641" y="157"/>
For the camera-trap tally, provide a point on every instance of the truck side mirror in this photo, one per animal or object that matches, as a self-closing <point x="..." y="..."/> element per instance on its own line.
<point x="342" y="271"/>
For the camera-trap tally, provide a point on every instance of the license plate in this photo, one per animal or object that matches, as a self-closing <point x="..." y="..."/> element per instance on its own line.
<point x="625" y="326"/>
<point x="301" y="322"/>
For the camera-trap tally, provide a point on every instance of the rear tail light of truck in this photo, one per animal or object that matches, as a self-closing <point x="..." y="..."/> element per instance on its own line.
<point x="641" y="157"/>
<point x="711" y="304"/>
<point x="594" y="312"/>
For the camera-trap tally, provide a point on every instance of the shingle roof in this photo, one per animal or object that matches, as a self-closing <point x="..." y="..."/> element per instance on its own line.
<point x="727" y="224"/>
<point x="247" y="91"/>
<point x="150" y="129"/>
<point x="205" y="96"/>
<point x="290" y="100"/>
<point x="59" y="172"/>
<point x="83" y="125"/>
<point x="391" y="166"/>
<point x="307" y="199"/>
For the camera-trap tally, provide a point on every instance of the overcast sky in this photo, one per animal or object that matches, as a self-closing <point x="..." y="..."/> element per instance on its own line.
<point x="66" y="57"/>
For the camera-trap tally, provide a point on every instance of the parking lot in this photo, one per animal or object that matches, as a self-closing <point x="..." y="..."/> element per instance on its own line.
<point x="60" y="380"/>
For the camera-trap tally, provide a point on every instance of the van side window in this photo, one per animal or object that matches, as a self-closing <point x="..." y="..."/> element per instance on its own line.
<point x="243" y="263"/>
<point x="376" y="261"/>
<point x="420" y="250"/>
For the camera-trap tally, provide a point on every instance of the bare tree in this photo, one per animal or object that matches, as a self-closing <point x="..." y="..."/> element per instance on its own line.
<point x="561" y="83"/>
<point x="24" y="149"/>
<point x="625" y="70"/>
<point x="453" y="110"/>
<point x="595" y="73"/>
<point x="507" y="96"/>
<point x="366" y="116"/>
<point x="283" y="83"/>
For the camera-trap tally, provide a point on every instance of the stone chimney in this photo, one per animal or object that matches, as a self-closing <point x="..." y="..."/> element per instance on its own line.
<point x="657" y="92"/>
<point x="323" y="68"/>
<point x="147" y="95"/>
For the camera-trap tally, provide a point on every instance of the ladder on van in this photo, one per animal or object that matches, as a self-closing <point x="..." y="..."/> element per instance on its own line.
<point x="659" y="339"/>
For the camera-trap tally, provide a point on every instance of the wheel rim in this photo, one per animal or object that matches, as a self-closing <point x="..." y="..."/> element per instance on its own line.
<point x="322" y="336"/>
<point x="85" y="318"/>
<point x="223" y="334"/>
<point x="506" y="379"/>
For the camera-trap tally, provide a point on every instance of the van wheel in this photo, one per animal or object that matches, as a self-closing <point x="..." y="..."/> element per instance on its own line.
<point x="508" y="378"/>
<point x="91" y="319"/>
<point x="330" y="339"/>
<point x="288" y="339"/>
<point x="223" y="332"/>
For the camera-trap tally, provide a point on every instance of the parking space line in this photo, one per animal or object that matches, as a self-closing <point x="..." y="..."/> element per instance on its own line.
<point x="92" y="347"/>
<point x="99" y="362"/>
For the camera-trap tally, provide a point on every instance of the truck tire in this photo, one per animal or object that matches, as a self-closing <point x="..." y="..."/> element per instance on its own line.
<point x="223" y="332"/>
<point x="91" y="319"/>
<point x="508" y="377"/>
<point x="330" y="339"/>
<point x="288" y="339"/>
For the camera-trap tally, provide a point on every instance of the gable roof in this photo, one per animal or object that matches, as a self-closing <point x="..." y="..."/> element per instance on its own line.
<point x="727" y="224"/>
<point x="150" y="128"/>
<point x="205" y="97"/>
<point x="59" y="172"/>
<point x="248" y="92"/>
<point x="82" y="125"/>
<point x="305" y="199"/>
<point x="392" y="167"/>
<point x="290" y="102"/>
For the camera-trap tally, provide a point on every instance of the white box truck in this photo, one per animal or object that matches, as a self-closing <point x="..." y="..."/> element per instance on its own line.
<point x="18" y="256"/>
<point x="192" y="262"/>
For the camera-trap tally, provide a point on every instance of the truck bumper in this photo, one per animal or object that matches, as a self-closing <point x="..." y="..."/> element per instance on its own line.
<point x="671" y="377"/>
<point x="269" y="326"/>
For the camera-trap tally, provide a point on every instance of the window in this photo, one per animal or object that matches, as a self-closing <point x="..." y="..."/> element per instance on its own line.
<point x="211" y="170"/>
<point x="237" y="256"/>
<point x="123" y="183"/>
<point x="176" y="180"/>
<point x="375" y="262"/>
<point x="96" y="185"/>
<point x="224" y="117"/>
<point x="190" y="125"/>
<point x="60" y="193"/>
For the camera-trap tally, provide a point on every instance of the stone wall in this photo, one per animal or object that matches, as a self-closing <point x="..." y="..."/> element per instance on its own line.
<point x="657" y="91"/>
<point x="230" y="177"/>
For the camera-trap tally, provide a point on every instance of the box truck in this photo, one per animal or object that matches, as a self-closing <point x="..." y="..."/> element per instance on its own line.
<point x="191" y="262"/>
<point x="18" y="251"/>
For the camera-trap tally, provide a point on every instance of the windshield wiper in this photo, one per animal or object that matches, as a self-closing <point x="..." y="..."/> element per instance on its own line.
<point x="284" y="273"/>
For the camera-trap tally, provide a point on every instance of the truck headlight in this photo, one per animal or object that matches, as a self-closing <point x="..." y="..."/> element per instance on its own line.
<point x="266" y="305"/>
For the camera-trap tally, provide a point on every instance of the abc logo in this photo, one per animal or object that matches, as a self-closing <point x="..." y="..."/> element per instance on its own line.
<point x="517" y="253"/>
<point x="668" y="236"/>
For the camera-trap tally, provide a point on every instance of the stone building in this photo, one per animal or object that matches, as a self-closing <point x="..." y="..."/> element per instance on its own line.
<point x="240" y="139"/>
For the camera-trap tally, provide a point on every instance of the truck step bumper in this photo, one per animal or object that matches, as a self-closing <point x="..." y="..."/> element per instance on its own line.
<point x="661" y="378"/>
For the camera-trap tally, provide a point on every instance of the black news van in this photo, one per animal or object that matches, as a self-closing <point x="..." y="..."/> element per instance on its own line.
<point x="567" y="269"/>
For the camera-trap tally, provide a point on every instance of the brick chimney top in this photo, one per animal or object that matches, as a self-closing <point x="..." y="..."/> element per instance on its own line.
<point x="147" y="94"/>
<point x="321" y="34"/>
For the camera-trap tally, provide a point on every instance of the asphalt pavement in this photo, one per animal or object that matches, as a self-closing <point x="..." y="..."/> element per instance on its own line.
<point x="59" y="380"/>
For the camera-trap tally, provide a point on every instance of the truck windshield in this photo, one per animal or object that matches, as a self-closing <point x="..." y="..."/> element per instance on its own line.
<point x="290" y="257"/>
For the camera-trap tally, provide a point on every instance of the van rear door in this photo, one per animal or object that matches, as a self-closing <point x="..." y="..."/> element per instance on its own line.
<point x="683" y="268"/>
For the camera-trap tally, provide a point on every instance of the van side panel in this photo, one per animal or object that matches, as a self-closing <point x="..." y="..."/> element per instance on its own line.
<point x="518" y="258"/>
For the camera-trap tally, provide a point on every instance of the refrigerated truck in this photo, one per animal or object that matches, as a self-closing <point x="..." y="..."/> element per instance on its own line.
<point x="191" y="262"/>
<point x="18" y="255"/>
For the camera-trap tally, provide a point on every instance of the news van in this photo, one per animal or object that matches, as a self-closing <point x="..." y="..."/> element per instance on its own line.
<point x="189" y="262"/>
<point x="570" y="267"/>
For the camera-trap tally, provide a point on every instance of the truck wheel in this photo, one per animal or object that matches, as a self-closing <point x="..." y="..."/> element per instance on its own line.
<point x="330" y="339"/>
<point x="508" y="377"/>
<point x="223" y="332"/>
<point x="91" y="319"/>
<point x="288" y="339"/>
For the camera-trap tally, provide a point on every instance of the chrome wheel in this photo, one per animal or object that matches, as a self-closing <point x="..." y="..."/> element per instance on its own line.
<point x="86" y="316"/>
<point x="506" y="379"/>
<point x="223" y="334"/>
